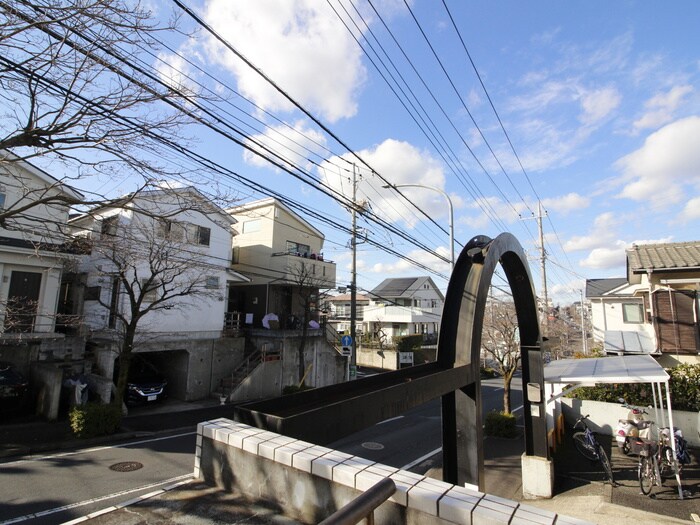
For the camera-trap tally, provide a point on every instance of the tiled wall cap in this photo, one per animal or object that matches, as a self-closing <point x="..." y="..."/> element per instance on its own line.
<point x="425" y="494"/>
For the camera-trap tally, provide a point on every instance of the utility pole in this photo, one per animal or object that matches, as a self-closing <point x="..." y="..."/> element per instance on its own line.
<point x="543" y="258"/>
<point x="543" y="271"/>
<point x="583" y="327"/>
<point x="353" y="284"/>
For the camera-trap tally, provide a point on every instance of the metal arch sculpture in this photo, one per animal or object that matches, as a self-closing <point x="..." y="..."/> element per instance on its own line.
<point x="325" y="414"/>
<point x="460" y="345"/>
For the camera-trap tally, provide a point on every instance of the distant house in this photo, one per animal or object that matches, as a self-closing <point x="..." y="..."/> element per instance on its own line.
<point x="404" y="306"/>
<point x="33" y="248"/>
<point x="655" y="309"/>
<point x="340" y="308"/>
<point x="282" y="255"/>
<point x="618" y="318"/>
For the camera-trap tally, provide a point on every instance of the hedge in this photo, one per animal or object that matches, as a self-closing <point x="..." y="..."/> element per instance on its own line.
<point x="95" y="419"/>
<point x="500" y="424"/>
<point x="684" y="385"/>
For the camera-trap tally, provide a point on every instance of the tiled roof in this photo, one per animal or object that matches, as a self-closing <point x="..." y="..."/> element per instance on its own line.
<point x="676" y="255"/>
<point x="599" y="287"/>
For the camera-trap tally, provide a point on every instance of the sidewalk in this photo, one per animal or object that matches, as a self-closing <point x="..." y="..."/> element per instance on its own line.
<point x="579" y="488"/>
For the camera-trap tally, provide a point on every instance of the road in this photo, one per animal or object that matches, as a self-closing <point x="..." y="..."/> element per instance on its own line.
<point x="61" y="487"/>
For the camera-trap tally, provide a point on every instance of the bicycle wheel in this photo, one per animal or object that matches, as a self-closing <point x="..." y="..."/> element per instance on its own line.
<point x="605" y="461"/>
<point x="666" y="464"/>
<point x="584" y="447"/>
<point x="645" y="473"/>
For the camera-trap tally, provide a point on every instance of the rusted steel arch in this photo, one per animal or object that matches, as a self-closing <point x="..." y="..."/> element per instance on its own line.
<point x="459" y="345"/>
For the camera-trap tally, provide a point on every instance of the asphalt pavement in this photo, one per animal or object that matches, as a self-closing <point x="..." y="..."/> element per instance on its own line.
<point x="580" y="488"/>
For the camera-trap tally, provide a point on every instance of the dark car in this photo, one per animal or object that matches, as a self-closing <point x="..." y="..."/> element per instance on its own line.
<point x="145" y="383"/>
<point x="14" y="388"/>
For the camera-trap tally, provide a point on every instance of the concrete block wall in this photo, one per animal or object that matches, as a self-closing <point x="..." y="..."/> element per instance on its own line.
<point x="308" y="482"/>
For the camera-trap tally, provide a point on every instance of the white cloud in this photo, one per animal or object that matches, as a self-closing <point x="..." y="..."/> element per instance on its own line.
<point x="598" y="104"/>
<point x="565" y="204"/>
<point x="399" y="163"/>
<point x="667" y="163"/>
<point x="691" y="210"/>
<point x="299" y="44"/>
<point x="660" y="108"/>
<point x="606" y="258"/>
<point x="601" y="234"/>
<point x="174" y="70"/>
<point x="295" y="144"/>
<point x="404" y="267"/>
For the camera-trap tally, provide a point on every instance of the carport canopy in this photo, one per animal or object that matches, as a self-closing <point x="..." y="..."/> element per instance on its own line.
<point x="618" y="369"/>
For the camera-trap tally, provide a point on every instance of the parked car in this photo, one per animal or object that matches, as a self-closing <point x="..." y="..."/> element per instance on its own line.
<point x="145" y="384"/>
<point x="14" y="388"/>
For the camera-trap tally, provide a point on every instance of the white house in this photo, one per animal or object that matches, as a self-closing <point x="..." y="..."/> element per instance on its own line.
<point x="618" y="317"/>
<point x="33" y="247"/>
<point x="404" y="306"/>
<point x="174" y="245"/>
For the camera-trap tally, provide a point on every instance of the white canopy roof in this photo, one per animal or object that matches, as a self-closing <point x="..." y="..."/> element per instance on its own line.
<point x="620" y="369"/>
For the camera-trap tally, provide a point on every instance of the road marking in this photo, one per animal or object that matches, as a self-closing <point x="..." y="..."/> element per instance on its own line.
<point x="419" y="460"/>
<point x="94" y="449"/>
<point x="390" y="419"/>
<point x="48" y="512"/>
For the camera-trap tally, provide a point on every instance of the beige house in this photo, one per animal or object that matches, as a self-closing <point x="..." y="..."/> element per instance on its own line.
<point x="655" y="309"/>
<point x="282" y="255"/>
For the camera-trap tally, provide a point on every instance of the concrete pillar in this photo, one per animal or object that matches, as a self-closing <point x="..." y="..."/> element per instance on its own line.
<point x="538" y="477"/>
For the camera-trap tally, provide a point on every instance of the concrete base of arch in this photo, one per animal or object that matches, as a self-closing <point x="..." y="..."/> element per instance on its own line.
<point x="538" y="477"/>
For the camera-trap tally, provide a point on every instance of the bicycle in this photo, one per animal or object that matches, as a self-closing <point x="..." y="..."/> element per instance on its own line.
<point x="588" y="446"/>
<point x="656" y="460"/>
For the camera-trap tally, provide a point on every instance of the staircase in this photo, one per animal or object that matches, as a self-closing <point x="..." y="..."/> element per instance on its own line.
<point x="228" y="384"/>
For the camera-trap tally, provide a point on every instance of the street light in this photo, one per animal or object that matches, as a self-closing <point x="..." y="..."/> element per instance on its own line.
<point x="449" y="202"/>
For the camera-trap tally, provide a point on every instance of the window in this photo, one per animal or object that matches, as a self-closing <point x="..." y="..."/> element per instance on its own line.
<point x="2" y="200"/>
<point x="632" y="313"/>
<point x="173" y="230"/>
<point x="198" y="234"/>
<point x="298" y="249"/>
<point x="212" y="282"/>
<point x="252" y="226"/>
<point x="109" y="225"/>
<point x="92" y="293"/>
<point x="150" y="291"/>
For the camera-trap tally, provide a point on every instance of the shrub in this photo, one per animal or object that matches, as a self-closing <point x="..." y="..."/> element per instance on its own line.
<point x="95" y="419"/>
<point x="684" y="385"/>
<point x="293" y="389"/>
<point x="408" y="343"/>
<point x="488" y="373"/>
<point x="500" y="424"/>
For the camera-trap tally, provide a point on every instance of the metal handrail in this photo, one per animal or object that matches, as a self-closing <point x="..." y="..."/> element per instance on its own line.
<point x="363" y="506"/>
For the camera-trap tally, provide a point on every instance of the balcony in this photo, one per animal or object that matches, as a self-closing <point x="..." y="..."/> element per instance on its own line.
<point x="318" y="272"/>
<point x="401" y="314"/>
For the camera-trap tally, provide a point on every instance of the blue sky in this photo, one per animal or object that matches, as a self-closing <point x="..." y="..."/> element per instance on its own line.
<point x="599" y="100"/>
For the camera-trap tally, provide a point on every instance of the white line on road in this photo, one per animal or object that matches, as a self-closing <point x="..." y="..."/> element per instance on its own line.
<point x="95" y="449"/>
<point x="94" y="500"/>
<point x="419" y="460"/>
<point x="390" y="419"/>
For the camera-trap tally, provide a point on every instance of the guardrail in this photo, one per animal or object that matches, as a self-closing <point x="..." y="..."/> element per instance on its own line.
<point x="363" y="506"/>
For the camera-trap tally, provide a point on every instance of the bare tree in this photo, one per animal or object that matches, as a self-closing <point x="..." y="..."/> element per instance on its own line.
<point x="501" y="342"/>
<point x="77" y="85"/>
<point x="151" y="265"/>
<point x="307" y="286"/>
